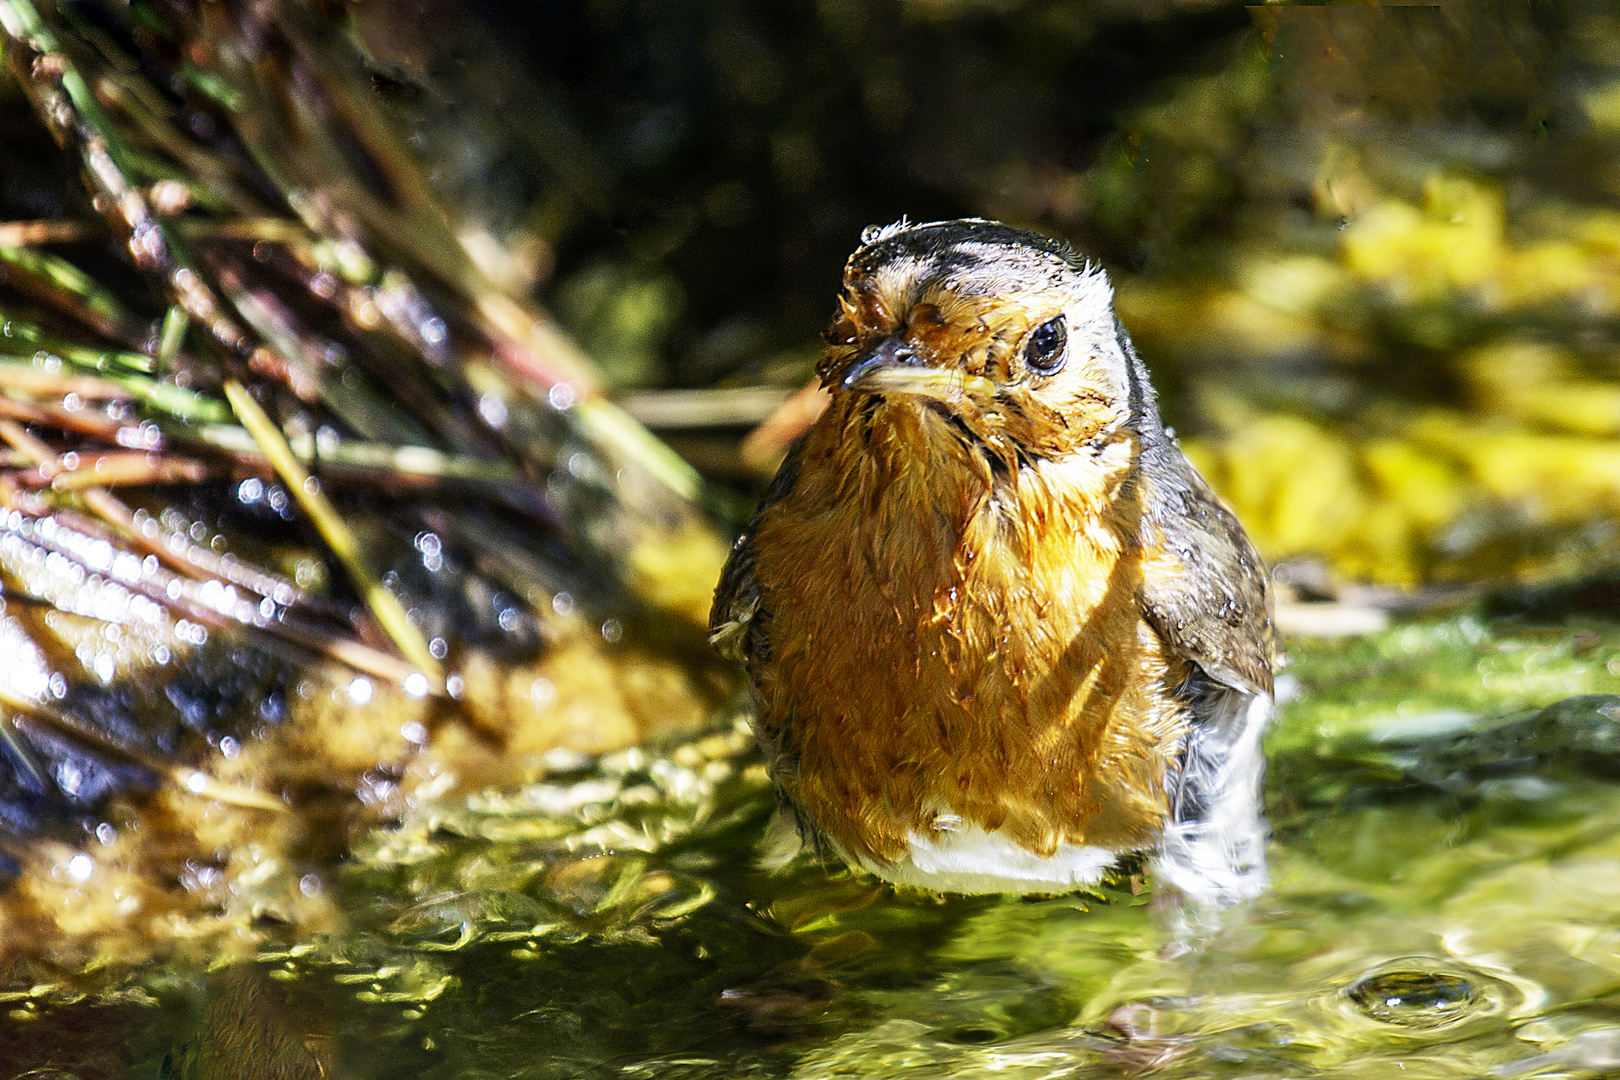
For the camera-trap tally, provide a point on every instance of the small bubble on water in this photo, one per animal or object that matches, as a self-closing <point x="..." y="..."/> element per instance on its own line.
<point x="1413" y="997"/>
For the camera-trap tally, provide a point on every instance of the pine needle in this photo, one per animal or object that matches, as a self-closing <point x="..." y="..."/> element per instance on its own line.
<point x="23" y="754"/>
<point x="175" y="324"/>
<point x="187" y="779"/>
<point x="384" y="605"/>
<point x="381" y="459"/>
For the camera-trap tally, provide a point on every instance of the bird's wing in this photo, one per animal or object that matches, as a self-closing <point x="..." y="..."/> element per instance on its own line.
<point x="736" y="602"/>
<point x="734" y="630"/>
<point x="1208" y="596"/>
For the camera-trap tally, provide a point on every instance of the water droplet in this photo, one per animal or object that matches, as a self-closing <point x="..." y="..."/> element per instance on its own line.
<point x="493" y="410"/>
<point x="360" y="691"/>
<point x="69" y="777"/>
<point x="80" y="867"/>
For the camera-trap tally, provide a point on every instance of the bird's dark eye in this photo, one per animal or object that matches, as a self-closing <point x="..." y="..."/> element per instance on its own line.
<point x="1044" y="352"/>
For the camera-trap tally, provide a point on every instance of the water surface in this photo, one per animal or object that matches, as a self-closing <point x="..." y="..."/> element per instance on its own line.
<point x="1446" y="902"/>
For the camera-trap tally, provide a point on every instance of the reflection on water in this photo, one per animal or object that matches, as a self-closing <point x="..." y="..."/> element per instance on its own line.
<point x="1447" y="882"/>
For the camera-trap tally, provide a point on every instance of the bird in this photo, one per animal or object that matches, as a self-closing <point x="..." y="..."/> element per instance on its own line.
<point x="1000" y="632"/>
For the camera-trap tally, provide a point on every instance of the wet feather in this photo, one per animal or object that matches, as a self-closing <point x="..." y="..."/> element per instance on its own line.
<point x="978" y="592"/>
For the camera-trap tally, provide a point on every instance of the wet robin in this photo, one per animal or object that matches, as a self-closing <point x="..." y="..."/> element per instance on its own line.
<point x="1000" y="630"/>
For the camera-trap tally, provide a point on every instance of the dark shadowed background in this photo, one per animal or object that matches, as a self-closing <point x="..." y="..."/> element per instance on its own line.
<point x="1368" y="250"/>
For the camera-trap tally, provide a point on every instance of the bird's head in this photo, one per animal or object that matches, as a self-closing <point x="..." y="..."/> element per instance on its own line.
<point x="1007" y="333"/>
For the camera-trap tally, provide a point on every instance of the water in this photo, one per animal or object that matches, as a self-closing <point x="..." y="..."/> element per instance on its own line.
<point x="1446" y="903"/>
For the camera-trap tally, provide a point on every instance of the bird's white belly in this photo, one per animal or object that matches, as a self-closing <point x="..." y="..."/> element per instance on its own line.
<point x="967" y="859"/>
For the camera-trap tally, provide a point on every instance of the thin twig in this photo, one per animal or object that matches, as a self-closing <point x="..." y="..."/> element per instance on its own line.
<point x="127" y="468"/>
<point x="222" y="190"/>
<point x="24" y="376"/>
<point x="57" y="283"/>
<point x="726" y="406"/>
<point x="97" y="425"/>
<point x="34" y="233"/>
<point x="376" y="458"/>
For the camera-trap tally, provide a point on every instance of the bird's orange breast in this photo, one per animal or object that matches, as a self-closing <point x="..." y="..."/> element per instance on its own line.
<point x="952" y="638"/>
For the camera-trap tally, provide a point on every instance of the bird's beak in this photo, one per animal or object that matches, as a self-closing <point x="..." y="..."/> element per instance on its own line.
<point x="894" y="367"/>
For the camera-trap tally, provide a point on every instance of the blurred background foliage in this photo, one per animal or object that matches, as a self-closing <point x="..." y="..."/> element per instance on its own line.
<point x="1371" y="251"/>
